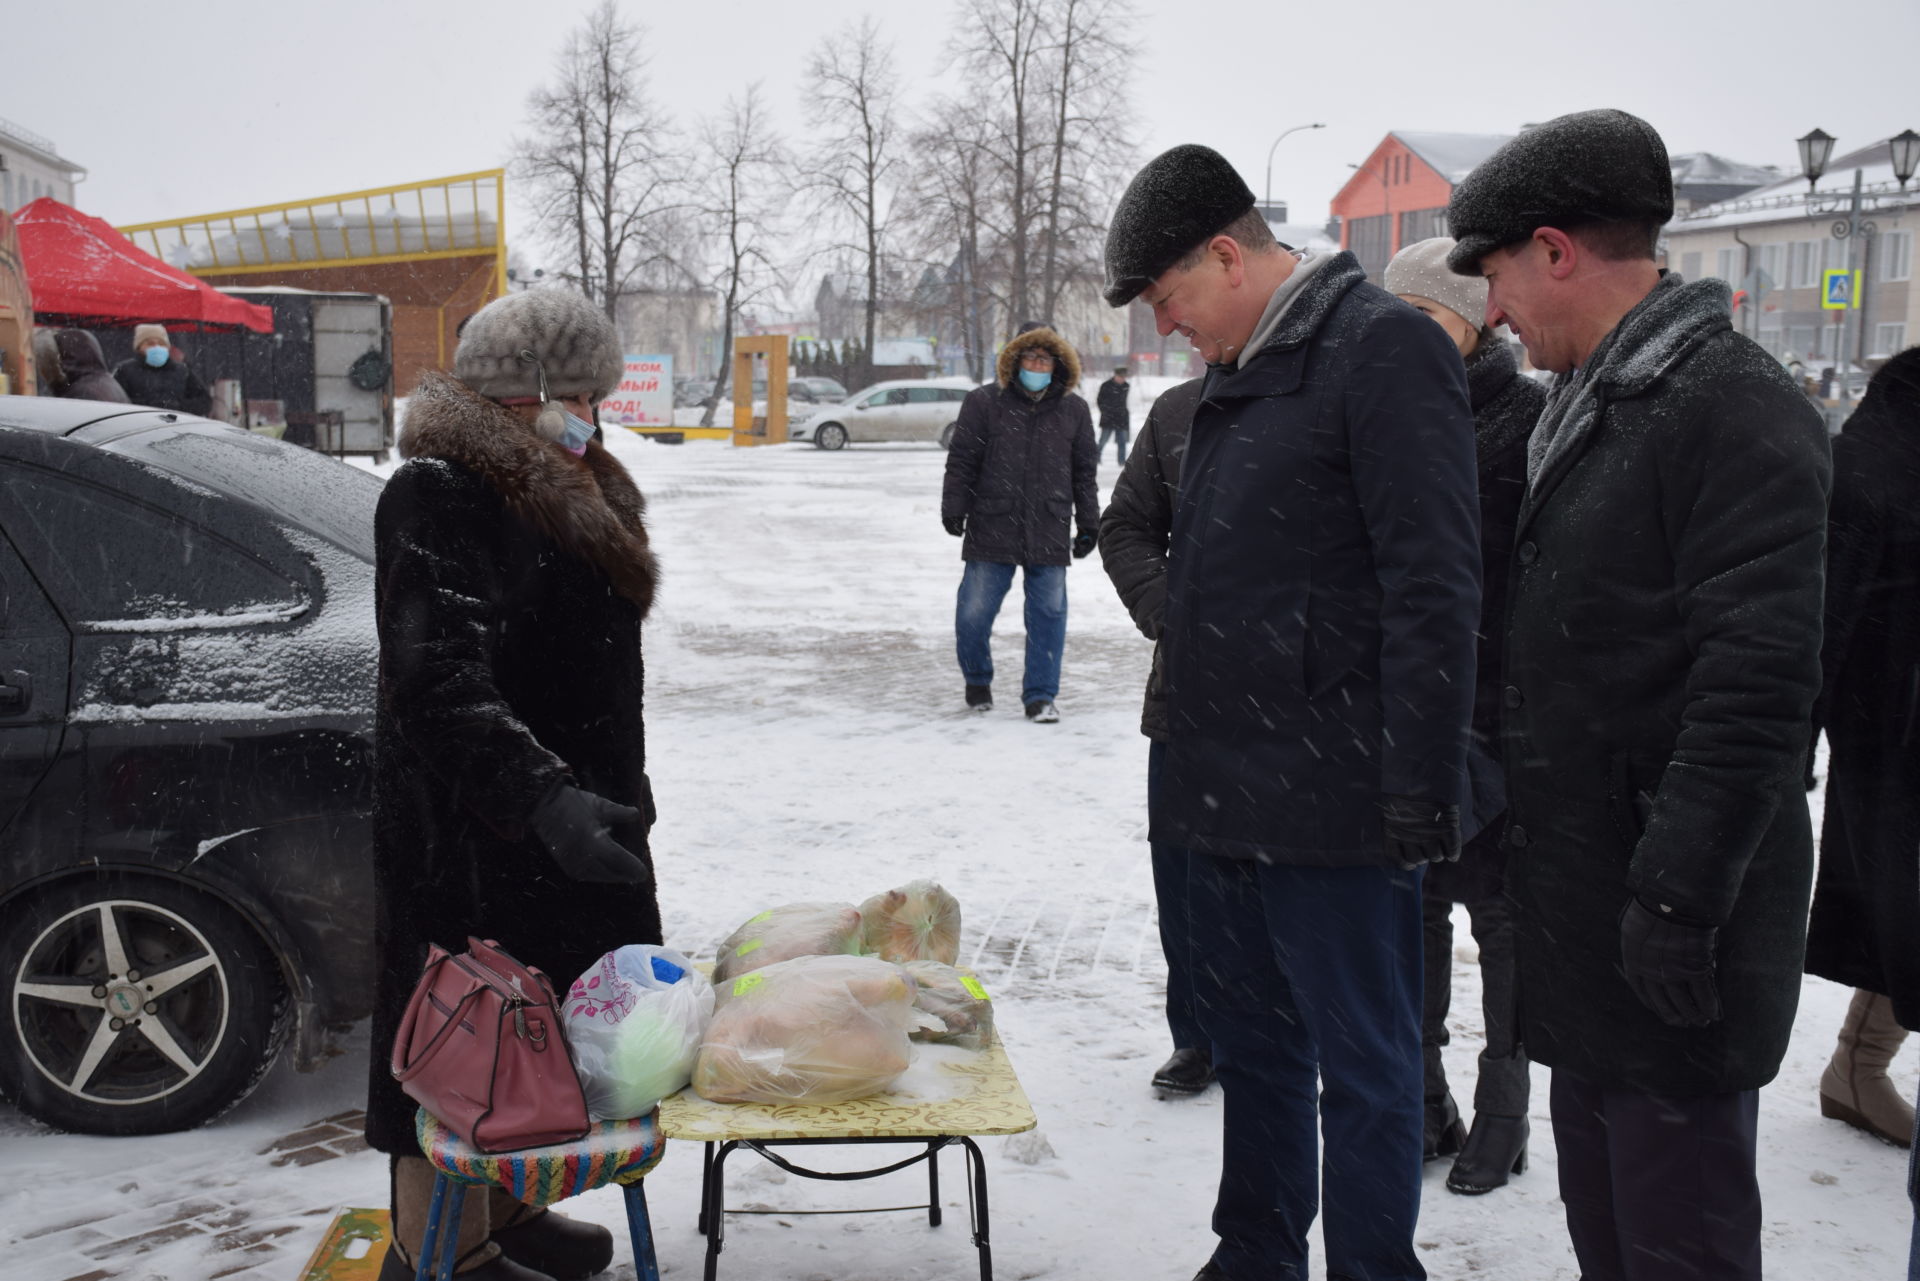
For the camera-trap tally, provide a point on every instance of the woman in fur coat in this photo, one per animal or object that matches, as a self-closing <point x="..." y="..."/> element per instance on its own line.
<point x="511" y="799"/>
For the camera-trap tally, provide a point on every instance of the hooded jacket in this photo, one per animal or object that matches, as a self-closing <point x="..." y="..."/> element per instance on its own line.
<point x="1020" y="470"/>
<point x="172" y="386"/>
<point x="84" y="369"/>
<point x="512" y="579"/>
<point x="1663" y="653"/>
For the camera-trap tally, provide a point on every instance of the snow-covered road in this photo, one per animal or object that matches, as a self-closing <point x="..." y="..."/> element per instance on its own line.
<point x="807" y="741"/>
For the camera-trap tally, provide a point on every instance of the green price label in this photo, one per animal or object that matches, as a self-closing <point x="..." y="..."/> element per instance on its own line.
<point x="973" y="987"/>
<point x="764" y="916"/>
<point x="751" y="945"/>
<point x="747" y="982"/>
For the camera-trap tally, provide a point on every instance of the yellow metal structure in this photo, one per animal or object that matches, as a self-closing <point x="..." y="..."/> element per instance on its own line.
<point x="771" y="429"/>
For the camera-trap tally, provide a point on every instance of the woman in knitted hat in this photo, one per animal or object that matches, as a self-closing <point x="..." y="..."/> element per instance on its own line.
<point x="510" y="797"/>
<point x="1506" y="403"/>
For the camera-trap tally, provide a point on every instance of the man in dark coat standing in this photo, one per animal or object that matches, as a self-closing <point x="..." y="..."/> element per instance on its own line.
<point x="1115" y="420"/>
<point x="1866" y="900"/>
<point x="510" y="788"/>
<point x="156" y="376"/>
<point x="1136" y="532"/>
<point x="1663" y="654"/>
<point x="1020" y="473"/>
<point x="1322" y="590"/>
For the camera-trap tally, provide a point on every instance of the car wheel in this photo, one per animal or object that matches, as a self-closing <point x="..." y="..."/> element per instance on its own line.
<point x="830" y="436"/>
<point x="134" y="1006"/>
<point x="946" y="435"/>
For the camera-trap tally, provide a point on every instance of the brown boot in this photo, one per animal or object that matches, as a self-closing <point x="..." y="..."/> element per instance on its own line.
<point x="412" y="1186"/>
<point x="1855" y="1088"/>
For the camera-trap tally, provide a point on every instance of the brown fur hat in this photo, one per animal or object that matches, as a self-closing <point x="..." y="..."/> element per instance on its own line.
<point x="1066" y="366"/>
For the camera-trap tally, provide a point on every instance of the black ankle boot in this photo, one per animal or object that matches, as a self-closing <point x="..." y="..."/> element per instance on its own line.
<point x="499" y="1268"/>
<point x="1189" y="1071"/>
<point x="1441" y="1132"/>
<point x="556" y="1246"/>
<point x="1496" y="1148"/>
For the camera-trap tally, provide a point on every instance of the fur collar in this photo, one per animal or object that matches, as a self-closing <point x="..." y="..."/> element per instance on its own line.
<point x="589" y="506"/>
<point x="1066" y="367"/>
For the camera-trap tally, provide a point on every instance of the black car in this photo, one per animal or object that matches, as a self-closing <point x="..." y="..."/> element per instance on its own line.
<point x="187" y="665"/>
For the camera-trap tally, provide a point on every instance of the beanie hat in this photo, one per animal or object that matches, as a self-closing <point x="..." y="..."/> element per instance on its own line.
<point x="1588" y="167"/>
<point x="157" y="333"/>
<point x="1177" y="202"/>
<point x="512" y="340"/>
<point x="1421" y="269"/>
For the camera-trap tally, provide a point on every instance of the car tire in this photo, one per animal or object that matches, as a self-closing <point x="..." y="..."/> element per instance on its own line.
<point x="192" y="1049"/>
<point x="946" y="435"/>
<point x="830" y="436"/>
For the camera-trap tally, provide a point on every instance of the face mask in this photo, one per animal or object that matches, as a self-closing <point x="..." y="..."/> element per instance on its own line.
<point x="156" y="356"/>
<point x="575" y="435"/>
<point x="1035" y="379"/>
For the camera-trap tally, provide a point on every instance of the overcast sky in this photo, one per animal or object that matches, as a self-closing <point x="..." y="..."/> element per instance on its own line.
<point x="205" y="105"/>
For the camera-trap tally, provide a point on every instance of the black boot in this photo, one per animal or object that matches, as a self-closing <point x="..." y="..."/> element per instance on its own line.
<point x="554" y="1245"/>
<point x="1441" y="1131"/>
<point x="499" y="1268"/>
<point x="1496" y="1148"/>
<point x="1187" y="1072"/>
<point x="979" y="698"/>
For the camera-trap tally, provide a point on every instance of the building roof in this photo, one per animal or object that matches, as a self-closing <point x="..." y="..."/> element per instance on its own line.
<point x="41" y="147"/>
<point x="1785" y="198"/>
<point x="1704" y="169"/>
<point x="1453" y="155"/>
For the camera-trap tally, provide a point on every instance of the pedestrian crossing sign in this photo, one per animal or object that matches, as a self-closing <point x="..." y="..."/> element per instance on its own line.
<point x="1839" y="289"/>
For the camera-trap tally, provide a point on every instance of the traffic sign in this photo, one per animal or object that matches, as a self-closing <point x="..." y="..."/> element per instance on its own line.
<point x="1839" y="289"/>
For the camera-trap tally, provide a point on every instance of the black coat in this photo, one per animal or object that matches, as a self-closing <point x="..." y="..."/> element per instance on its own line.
<point x="1506" y="404"/>
<point x="84" y="368"/>
<point x="172" y="386"/>
<point x="1663" y="653"/>
<point x="1866" y="900"/>
<point x="512" y="580"/>
<point x="1137" y="526"/>
<point x="1020" y="470"/>
<point x="1112" y="403"/>
<point x="1323" y="585"/>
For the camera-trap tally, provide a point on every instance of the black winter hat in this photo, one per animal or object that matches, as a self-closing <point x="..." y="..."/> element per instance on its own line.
<point x="1180" y="199"/>
<point x="1588" y="167"/>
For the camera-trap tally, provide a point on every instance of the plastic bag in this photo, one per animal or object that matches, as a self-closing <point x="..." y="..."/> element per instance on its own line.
<point x="782" y="933"/>
<point x="816" y="1029"/>
<point x="957" y="999"/>
<point x="917" y="922"/>
<point x="635" y="1021"/>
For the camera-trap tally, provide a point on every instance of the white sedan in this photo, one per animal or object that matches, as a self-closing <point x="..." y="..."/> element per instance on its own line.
<point x="902" y="410"/>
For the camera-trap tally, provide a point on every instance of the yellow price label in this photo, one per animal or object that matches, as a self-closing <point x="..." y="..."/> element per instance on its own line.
<point x="973" y="986"/>
<point x="751" y="945"/>
<point x="747" y="982"/>
<point x="764" y="916"/>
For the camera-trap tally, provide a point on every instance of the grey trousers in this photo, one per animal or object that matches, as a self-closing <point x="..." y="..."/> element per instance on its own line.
<point x="1501" y="1089"/>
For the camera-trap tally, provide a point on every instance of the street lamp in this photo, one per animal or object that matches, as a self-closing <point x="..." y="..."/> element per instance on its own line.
<point x="1814" y="150"/>
<point x="1905" y="146"/>
<point x="1270" y="151"/>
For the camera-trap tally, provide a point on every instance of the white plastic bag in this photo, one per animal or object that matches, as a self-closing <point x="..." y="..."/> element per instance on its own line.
<point x="919" y="921"/>
<point x="784" y="932"/>
<point x="816" y="1029"/>
<point x="635" y="1021"/>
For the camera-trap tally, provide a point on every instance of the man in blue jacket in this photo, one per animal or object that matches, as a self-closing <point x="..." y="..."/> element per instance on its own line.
<point x="1323" y="588"/>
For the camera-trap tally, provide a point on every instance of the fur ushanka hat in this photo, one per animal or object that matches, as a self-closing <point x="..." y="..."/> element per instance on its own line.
<point x="508" y="342"/>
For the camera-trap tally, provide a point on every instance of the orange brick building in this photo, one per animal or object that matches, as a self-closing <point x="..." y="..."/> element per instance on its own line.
<point x="1399" y="194"/>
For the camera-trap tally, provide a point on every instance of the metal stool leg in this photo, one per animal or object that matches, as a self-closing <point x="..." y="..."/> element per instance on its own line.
<point x="450" y="1232"/>
<point x="933" y="1182"/>
<point x="640" y="1229"/>
<point x="423" y="1260"/>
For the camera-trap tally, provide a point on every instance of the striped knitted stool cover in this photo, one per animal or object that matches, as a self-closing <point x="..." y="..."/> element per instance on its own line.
<point x="611" y="1152"/>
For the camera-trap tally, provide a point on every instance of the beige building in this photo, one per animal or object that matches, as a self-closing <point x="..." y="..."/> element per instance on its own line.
<point x="1773" y="243"/>
<point x="30" y="168"/>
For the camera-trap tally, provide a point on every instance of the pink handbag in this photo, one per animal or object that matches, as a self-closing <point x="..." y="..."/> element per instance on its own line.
<point x="481" y="1048"/>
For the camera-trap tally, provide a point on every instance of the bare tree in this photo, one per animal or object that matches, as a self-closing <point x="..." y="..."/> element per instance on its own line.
<point x="738" y="204"/>
<point x="948" y="207"/>
<point x="598" y="161"/>
<point x="850" y="75"/>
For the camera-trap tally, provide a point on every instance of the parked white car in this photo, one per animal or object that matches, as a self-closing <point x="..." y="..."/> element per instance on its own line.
<point x="903" y="410"/>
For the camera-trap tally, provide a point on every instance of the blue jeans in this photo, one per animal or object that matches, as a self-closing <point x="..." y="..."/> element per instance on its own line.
<point x="1176" y="923"/>
<point x="1310" y="993"/>
<point x="982" y="588"/>
<point x="1118" y="435"/>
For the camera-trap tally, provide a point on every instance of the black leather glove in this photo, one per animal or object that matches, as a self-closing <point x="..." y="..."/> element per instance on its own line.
<point x="1669" y="965"/>
<point x="1419" y="832"/>
<point x="572" y="824"/>
<point x="956" y="525"/>
<point x="1083" y="543"/>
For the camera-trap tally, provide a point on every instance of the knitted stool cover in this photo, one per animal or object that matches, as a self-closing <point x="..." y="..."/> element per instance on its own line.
<point x="612" y="1152"/>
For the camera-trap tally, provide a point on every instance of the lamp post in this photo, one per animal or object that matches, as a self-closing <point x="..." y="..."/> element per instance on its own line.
<point x="1270" y="151"/>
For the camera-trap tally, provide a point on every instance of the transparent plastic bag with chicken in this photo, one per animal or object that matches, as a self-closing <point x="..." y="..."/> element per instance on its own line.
<point x="920" y="921"/>
<point x="955" y="997"/>
<point x="785" y="932"/>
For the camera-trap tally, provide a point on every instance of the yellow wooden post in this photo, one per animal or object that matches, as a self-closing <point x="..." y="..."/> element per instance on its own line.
<point x="772" y="428"/>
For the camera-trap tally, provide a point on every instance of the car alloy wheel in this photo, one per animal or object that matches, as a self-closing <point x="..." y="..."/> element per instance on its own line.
<point x="135" y="1007"/>
<point x="831" y="436"/>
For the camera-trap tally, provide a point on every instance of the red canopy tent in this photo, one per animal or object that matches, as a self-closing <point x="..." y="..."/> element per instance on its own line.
<point x="84" y="273"/>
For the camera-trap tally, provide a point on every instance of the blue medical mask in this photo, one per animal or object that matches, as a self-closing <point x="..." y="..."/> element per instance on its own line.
<point x="575" y="435"/>
<point x="156" y="356"/>
<point x="1035" y="379"/>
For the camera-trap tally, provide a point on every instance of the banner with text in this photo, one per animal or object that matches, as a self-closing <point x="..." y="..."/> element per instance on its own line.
<point x="644" y="397"/>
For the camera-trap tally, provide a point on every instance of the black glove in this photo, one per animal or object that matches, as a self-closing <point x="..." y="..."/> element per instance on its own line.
<point x="1419" y="832"/>
<point x="572" y="825"/>
<point x="956" y="525"/>
<point x="1083" y="543"/>
<point x="1669" y="965"/>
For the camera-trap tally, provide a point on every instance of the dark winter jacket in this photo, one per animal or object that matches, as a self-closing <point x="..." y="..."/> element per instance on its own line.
<point x="1323" y="585"/>
<point x="1113" y="405"/>
<point x="512" y="581"/>
<point x="1663" y="653"/>
<point x="172" y="386"/>
<point x="1866" y="904"/>
<point x="1021" y="471"/>
<point x="84" y="368"/>
<point x="1506" y="404"/>
<point x="1137" y="525"/>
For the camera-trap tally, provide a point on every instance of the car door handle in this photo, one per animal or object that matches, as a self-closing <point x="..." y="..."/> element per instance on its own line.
<point x="16" y="693"/>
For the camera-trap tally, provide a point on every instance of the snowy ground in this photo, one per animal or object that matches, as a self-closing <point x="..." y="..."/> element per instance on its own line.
<point x="806" y="740"/>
